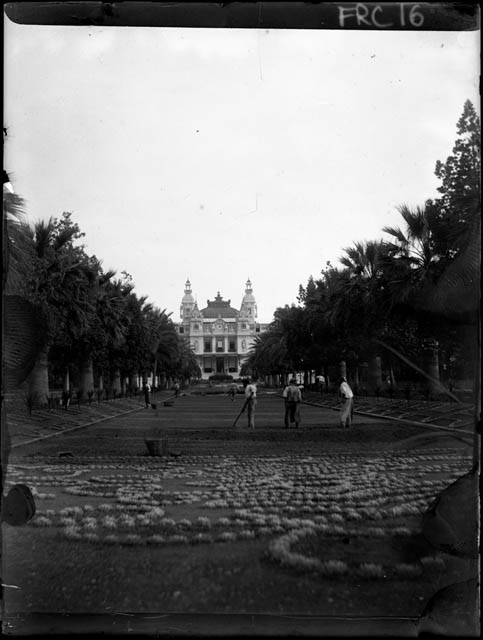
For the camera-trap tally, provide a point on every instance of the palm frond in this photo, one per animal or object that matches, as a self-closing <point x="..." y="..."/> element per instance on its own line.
<point x="457" y="291"/>
<point x="43" y="231"/>
<point x="14" y="206"/>
<point x="396" y="233"/>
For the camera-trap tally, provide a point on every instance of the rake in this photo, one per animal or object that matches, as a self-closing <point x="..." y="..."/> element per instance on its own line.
<point x="242" y="410"/>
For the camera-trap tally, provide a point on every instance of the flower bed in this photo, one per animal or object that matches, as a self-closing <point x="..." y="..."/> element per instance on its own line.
<point x="229" y="499"/>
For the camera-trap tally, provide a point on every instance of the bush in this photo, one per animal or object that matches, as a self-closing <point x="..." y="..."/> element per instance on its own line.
<point x="221" y="377"/>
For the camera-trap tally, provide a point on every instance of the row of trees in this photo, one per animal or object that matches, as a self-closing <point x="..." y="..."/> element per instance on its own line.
<point x="411" y="299"/>
<point x="69" y="320"/>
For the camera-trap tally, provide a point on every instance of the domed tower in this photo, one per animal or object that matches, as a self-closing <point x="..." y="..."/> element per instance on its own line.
<point x="187" y="303"/>
<point x="248" y="306"/>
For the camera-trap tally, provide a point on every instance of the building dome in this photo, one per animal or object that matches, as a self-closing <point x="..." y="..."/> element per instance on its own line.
<point x="248" y="297"/>
<point x="248" y="305"/>
<point x="187" y="302"/>
<point x="188" y="296"/>
<point x="219" y="308"/>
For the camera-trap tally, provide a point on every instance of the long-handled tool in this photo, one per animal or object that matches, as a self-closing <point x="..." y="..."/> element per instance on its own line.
<point x="242" y="410"/>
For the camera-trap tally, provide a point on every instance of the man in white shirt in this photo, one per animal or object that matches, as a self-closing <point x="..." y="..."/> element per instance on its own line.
<point x="251" y="400"/>
<point x="347" y="399"/>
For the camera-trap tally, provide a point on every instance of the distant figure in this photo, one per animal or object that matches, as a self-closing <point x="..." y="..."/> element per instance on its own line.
<point x="390" y="388"/>
<point x="232" y="391"/>
<point x="147" y="394"/>
<point x="293" y="398"/>
<point x="347" y="398"/>
<point x="321" y="384"/>
<point x="176" y="390"/>
<point x="251" y="400"/>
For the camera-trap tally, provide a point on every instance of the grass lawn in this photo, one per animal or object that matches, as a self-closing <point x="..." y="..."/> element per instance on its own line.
<point x="316" y="521"/>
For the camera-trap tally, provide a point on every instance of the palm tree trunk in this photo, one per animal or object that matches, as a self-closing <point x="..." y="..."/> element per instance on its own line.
<point x="375" y="373"/>
<point x="431" y="364"/>
<point x="101" y="382"/>
<point x="342" y="369"/>
<point x="116" y="381"/>
<point x="38" y="381"/>
<point x="356" y="375"/>
<point x="155" y="366"/>
<point x="392" y="377"/>
<point x="66" y="381"/>
<point x="87" y="375"/>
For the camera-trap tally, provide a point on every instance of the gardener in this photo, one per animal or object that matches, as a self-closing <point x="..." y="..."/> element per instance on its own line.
<point x="232" y="391"/>
<point x="321" y="384"/>
<point x="251" y="402"/>
<point x="293" y="398"/>
<point x="347" y="399"/>
<point x="176" y="389"/>
<point x="147" y="393"/>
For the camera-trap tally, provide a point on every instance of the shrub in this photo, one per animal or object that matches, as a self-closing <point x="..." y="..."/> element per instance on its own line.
<point x="334" y="568"/>
<point x="221" y="377"/>
<point x="408" y="570"/>
<point x="370" y="570"/>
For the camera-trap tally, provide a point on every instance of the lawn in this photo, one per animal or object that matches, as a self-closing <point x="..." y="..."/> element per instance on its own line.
<point x="316" y="521"/>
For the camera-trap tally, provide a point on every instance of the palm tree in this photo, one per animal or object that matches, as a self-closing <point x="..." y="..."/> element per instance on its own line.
<point x="133" y="357"/>
<point x="162" y="337"/>
<point x="60" y="286"/>
<point x="104" y="319"/>
<point x="363" y="259"/>
<point x="269" y="354"/>
<point x="413" y="265"/>
<point x="360" y="306"/>
<point x="411" y="255"/>
<point x="19" y="318"/>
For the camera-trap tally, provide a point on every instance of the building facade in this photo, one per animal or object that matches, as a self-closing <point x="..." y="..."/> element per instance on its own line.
<point x="220" y="335"/>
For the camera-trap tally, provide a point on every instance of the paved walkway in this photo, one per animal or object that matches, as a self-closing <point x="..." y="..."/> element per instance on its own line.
<point x="43" y="423"/>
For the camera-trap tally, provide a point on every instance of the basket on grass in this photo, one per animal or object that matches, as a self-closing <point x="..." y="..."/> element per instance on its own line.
<point x="169" y="403"/>
<point x="157" y="446"/>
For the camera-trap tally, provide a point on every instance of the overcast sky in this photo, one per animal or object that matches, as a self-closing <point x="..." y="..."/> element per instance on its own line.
<point x="220" y="155"/>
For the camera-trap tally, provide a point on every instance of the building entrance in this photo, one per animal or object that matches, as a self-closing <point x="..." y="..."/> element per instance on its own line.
<point x="220" y="365"/>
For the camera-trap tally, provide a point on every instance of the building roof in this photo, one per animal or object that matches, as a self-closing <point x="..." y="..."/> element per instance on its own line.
<point x="219" y="307"/>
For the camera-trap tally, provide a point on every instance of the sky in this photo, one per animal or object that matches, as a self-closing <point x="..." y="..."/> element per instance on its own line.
<point x="220" y="155"/>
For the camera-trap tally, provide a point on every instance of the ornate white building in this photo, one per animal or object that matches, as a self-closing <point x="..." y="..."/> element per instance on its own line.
<point x="220" y="335"/>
